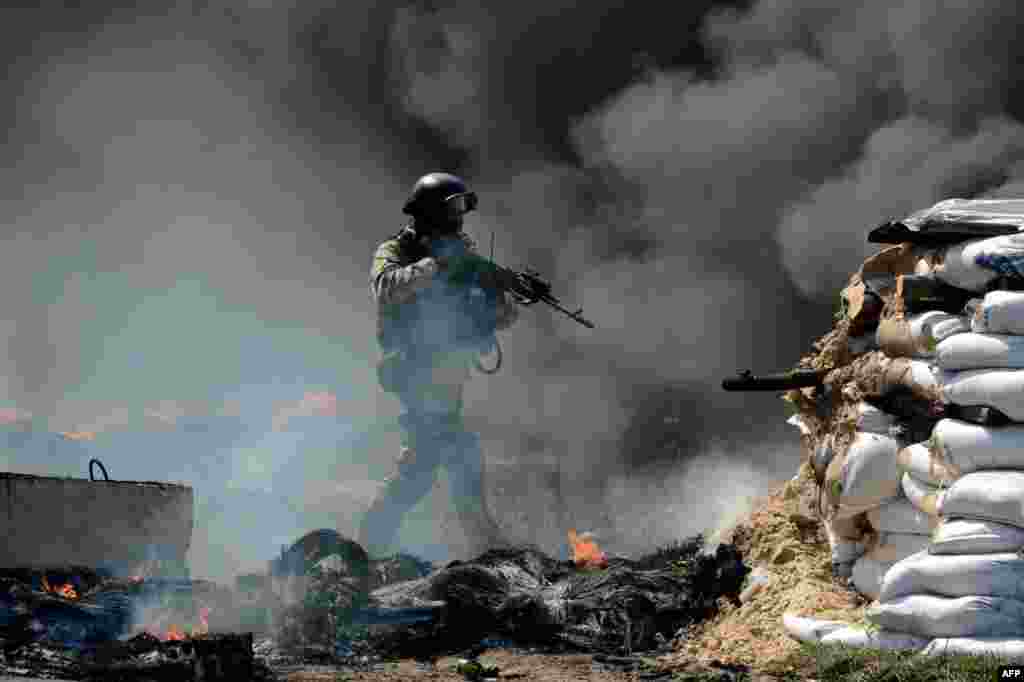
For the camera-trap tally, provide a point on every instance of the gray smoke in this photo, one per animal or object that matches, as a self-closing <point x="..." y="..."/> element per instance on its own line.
<point x="193" y="196"/>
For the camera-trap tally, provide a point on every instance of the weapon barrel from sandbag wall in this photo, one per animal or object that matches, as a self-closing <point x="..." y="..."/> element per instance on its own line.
<point x="784" y="381"/>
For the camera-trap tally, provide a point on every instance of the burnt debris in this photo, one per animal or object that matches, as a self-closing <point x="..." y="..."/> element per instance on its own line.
<point x="531" y="599"/>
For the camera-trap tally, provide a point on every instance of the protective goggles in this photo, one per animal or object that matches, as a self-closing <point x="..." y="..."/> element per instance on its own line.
<point x="460" y="204"/>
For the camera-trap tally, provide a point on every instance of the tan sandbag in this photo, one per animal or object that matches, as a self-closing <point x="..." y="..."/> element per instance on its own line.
<point x="917" y="336"/>
<point x="852" y="528"/>
<point x="901" y="259"/>
<point x="847" y="537"/>
<point x="875" y="375"/>
<point x="896" y="340"/>
<point x="853" y="294"/>
<point x="881" y="268"/>
<point x="927" y="464"/>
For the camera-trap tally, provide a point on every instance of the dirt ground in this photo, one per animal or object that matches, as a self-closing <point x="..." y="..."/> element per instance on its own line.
<point x="782" y="538"/>
<point x="512" y="666"/>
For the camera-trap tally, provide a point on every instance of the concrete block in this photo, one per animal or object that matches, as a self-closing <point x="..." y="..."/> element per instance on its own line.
<point x="49" y="522"/>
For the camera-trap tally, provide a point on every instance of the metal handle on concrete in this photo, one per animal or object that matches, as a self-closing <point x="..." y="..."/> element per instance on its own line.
<point x="93" y="462"/>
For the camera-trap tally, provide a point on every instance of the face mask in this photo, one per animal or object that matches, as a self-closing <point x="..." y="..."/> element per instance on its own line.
<point x="439" y="227"/>
<point x="446" y="245"/>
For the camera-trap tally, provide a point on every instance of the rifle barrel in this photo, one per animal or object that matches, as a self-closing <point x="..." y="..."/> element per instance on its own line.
<point x="786" y="381"/>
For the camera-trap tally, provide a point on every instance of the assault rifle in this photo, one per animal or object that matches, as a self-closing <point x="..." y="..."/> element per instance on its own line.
<point x="785" y="381"/>
<point x="527" y="288"/>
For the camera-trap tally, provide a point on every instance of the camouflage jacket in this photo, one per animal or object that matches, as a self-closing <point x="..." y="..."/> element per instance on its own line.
<point x="402" y="277"/>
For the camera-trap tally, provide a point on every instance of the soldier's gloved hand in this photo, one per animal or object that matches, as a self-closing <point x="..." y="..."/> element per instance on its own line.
<point x="488" y="276"/>
<point x="463" y="269"/>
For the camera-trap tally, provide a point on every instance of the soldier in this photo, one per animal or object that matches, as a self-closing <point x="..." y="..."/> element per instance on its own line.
<point x="436" y="313"/>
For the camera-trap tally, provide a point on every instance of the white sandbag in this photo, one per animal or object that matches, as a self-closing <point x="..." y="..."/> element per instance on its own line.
<point x="968" y="213"/>
<point x="805" y="629"/>
<point x="959" y="269"/>
<point x="985" y="575"/>
<point x="918" y="461"/>
<point x="866" y="476"/>
<point x="837" y="632"/>
<point x="922" y="378"/>
<point x="923" y="497"/>
<point x="980" y="351"/>
<point x="1005" y="647"/>
<point x="900" y="516"/>
<point x="1002" y="389"/>
<point x="886" y="550"/>
<point x="974" y="264"/>
<point x="941" y="328"/>
<point x="958" y="448"/>
<point x="893" y="547"/>
<point x="870" y="419"/>
<point x="990" y="495"/>
<point x="975" y="536"/>
<point x="868" y="574"/>
<point x="931" y="616"/>
<point x="1002" y="255"/>
<point x="862" y="638"/>
<point x="1000" y="312"/>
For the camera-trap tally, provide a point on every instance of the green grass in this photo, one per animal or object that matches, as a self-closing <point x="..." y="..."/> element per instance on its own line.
<point x="847" y="664"/>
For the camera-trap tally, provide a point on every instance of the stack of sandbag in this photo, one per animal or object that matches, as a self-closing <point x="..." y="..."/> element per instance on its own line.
<point x="969" y="583"/>
<point x="966" y="591"/>
<point x="869" y="523"/>
<point x="943" y="549"/>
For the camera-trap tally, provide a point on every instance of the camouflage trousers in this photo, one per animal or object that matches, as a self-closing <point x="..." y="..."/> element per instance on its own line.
<point x="431" y="440"/>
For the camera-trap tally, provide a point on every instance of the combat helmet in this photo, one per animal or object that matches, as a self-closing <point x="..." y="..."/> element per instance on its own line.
<point x="440" y="195"/>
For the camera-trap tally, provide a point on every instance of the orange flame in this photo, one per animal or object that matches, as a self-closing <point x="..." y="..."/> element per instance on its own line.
<point x="585" y="552"/>
<point x="178" y="634"/>
<point x="67" y="590"/>
<point x="78" y="435"/>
